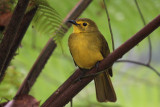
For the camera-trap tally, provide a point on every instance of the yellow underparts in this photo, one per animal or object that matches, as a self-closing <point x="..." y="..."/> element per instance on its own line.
<point x="84" y="51"/>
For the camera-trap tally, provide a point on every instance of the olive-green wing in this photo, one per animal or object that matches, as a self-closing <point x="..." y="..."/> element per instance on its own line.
<point x="105" y="50"/>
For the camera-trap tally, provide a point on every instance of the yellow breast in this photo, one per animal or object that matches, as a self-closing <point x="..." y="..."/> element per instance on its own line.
<point x="85" y="49"/>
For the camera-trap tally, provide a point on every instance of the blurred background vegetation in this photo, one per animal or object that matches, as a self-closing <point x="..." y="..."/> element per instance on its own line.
<point x="135" y="85"/>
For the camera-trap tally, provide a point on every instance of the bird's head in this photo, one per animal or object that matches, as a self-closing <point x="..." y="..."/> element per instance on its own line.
<point x="83" y="25"/>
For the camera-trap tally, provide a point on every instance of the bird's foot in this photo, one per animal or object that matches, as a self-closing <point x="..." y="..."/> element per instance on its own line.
<point x="82" y="75"/>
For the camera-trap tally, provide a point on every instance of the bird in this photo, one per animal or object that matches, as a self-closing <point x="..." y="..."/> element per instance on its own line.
<point x="88" y="47"/>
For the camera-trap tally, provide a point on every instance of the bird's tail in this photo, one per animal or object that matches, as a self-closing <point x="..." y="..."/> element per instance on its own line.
<point x="104" y="88"/>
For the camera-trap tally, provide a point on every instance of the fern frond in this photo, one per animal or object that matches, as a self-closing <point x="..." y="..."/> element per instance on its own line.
<point x="47" y="19"/>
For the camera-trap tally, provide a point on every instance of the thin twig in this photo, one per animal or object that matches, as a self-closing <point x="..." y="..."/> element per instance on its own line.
<point x="149" y="39"/>
<point x="140" y="13"/>
<point x="66" y="94"/>
<point x="109" y="24"/>
<point x="140" y="63"/>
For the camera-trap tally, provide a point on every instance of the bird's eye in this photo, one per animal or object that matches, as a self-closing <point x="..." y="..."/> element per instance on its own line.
<point x="84" y="24"/>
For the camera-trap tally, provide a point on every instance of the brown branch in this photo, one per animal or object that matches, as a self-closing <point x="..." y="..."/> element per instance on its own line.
<point x="48" y="49"/>
<point x="64" y="93"/>
<point x="19" y="36"/>
<point x="10" y="33"/>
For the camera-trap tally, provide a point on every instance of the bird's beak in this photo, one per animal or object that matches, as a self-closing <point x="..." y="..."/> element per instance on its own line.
<point x="73" y="22"/>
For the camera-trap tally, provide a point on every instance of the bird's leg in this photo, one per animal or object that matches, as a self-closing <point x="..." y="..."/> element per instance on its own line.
<point x="81" y="76"/>
<point x="95" y="74"/>
<point x="85" y="70"/>
<point x="97" y="64"/>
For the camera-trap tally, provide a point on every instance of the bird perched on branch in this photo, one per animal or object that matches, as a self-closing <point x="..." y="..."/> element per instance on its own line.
<point x="88" y="46"/>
